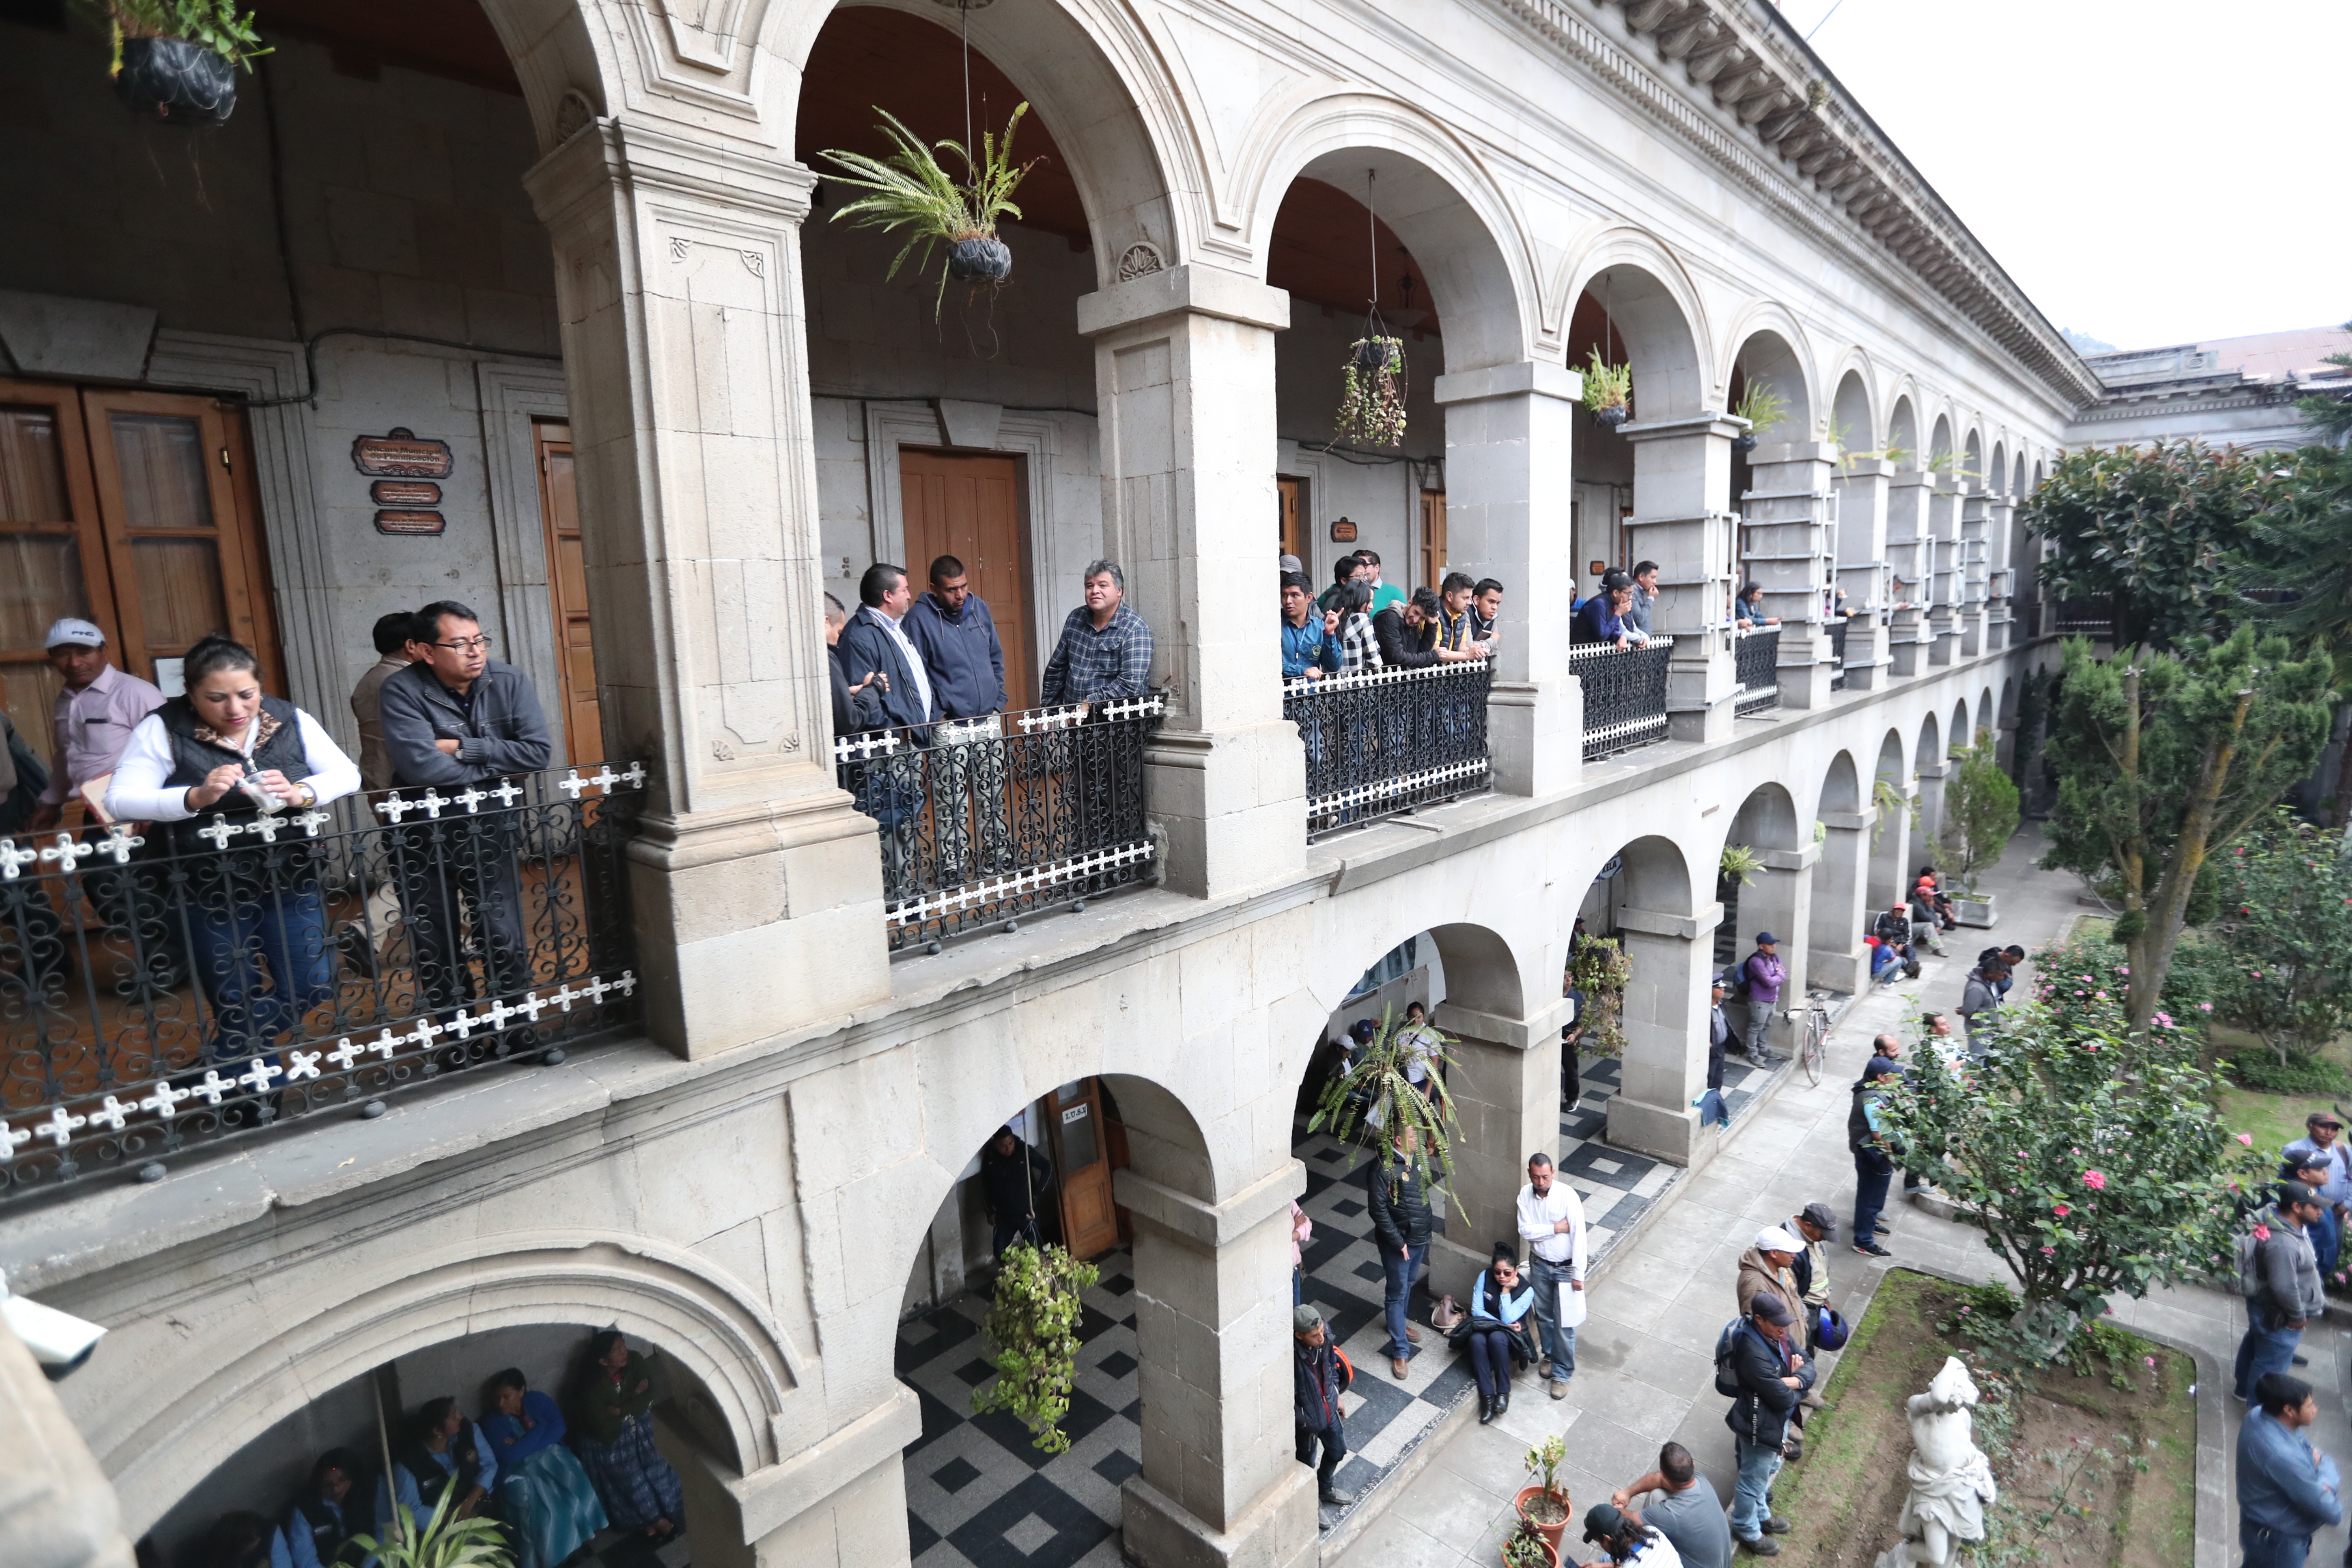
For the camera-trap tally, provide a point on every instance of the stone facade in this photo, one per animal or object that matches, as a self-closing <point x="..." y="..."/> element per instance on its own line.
<point x="752" y="1185"/>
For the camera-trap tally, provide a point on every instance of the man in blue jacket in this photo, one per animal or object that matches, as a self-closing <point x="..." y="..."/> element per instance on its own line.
<point x="1310" y="649"/>
<point x="2287" y="1489"/>
<point x="953" y="628"/>
<point x="875" y="638"/>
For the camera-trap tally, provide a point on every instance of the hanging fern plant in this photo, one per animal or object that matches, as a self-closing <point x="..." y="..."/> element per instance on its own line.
<point x="1601" y="971"/>
<point x="1739" y="864"/>
<point x="1033" y="1323"/>
<point x="1372" y="394"/>
<point x="911" y="191"/>
<point x="1375" y="1093"/>
<point x="1608" y="391"/>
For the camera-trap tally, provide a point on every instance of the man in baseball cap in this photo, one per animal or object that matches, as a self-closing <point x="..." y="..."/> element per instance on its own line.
<point x="1814" y="1224"/>
<point x="1626" y="1540"/>
<point x="2286" y="1293"/>
<point x="1318" y="1377"/>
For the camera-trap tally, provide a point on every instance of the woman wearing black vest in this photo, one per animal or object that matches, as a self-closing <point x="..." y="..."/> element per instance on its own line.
<point x="221" y="751"/>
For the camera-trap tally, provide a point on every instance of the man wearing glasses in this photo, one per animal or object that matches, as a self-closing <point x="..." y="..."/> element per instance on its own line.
<point x="457" y="717"/>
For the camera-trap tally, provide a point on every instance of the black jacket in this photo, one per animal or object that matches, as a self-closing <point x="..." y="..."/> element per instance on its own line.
<point x="1401" y="646"/>
<point x="864" y="645"/>
<point x="1010" y="1186"/>
<point x="500" y="731"/>
<point x="1399" y="1206"/>
<point x="1760" y="1414"/>
<point x="1858" y="1135"/>
<point x="1892" y="929"/>
<point x="851" y="710"/>
<point x="1316" y="1383"/>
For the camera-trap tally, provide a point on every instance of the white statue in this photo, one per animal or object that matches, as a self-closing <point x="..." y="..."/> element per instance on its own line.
<point x="1951" y="1482"/>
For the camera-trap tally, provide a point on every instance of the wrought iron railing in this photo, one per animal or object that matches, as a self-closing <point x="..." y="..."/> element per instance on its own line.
<point x="2093" y="618"/>
<point x="1381" y="741"/>
<point x="1625" y="694"/>
<point x="166" y="985"/>
<point x="983" y="820"/>
<point x="1756" y="661"/>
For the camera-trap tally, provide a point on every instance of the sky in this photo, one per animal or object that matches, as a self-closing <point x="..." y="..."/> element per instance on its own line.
<point x="2149" y="171"/>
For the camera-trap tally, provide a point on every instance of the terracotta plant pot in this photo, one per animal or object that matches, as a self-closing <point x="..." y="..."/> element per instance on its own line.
<point x="1551" y="1557"/>
<point x="1551" y="1532"/>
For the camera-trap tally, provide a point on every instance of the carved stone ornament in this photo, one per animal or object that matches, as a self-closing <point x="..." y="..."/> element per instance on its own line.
<point x="1139" y="259"/>
<point x="573" y="115"/>
<point x="1951" y="1481"/>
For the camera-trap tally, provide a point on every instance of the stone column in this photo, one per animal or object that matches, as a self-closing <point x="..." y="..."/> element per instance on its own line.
<point x="1505" y="1088"/>
<point x="1184" y="379"/>
<point x="1789" y="556"/>
<point x="1860" y="486"/>
<point x="1680" y="466"/>
<point x="1841" y="913"/>
<point x="1780" y="901"/>
<point x="840" y="1502"/>
<point x="2001" y="529"/>
<point x="1976" y="571"/>
<point x="1665" y="1021"/>
<point x="1944" y="570"/>
<point x="1926" y="820"/>
<point x="1508" y="488"/>
<point x="1221" y="1485"/>
<point x="1910" y="552"/>
<point x="756" y="887"/>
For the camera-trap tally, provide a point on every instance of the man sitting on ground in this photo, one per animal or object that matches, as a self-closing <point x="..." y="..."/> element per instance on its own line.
<point x="1685" y="1509"/>
<point x="1627" y="1540"/>
<point x="1893" y="931"/>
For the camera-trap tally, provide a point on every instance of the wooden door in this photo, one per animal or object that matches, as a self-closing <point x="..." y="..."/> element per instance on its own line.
<point x="567" y="594"/>
<point x="968" y="505"/>
<point x="52" y="546"/>
<point x="1082" y="1163"/>
<point x="1289" y="493"/>
<point x="1432" y="539"/>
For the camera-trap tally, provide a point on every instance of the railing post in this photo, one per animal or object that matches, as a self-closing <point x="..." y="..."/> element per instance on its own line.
<point x="756" y="886"/>
<point x="1910" y="549"/>
<point x="1680" y="469"/>
<point x="1789" y="556"/>
<point x="1944" y="569"/>
<point x="1184" y="379"/>
<point x="1508" y="486"/>
<point x="1861" y="486"/>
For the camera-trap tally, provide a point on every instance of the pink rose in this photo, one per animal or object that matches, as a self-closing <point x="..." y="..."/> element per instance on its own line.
<point x="2049" y="1252"/>
<point x="2247" y="1139"/>
<point x="2061" y="1210"/>
<point x="2095" y="1180"/>
<point x="2102" y="995"/>
<point x="2208" y="1006"/>
<point x="2150" y="1360"/>
<point x="2261" y="1233"/>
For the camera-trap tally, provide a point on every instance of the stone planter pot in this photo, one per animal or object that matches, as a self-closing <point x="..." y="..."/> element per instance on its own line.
<point x="178" y="82"/>
<point x="1974" y="910"/>
<point x="1614" y="416"/>
<point x="971" y="261"/>
<point x="1551" y="1532"/>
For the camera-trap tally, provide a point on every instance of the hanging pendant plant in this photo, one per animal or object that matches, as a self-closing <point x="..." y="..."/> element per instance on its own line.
<point x="1034" y="1326"/>
<point x="178" y="59"/>
<point x="1373" y="388"/>
<point x="1608" y="391"/>
<point x="911" y="191"/>
<point x="1762" y="409"/>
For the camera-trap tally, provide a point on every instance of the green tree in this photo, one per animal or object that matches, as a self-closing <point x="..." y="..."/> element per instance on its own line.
<point x="1980" y="810"/>
<point x="2163" y="759"/>
<point x="2090" y="1159"/>
<point x="2150" y="530"/>
<point x="2286" y="923"/>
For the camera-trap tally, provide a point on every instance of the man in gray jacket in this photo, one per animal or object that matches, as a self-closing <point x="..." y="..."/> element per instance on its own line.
<point x="2287" y="1291"/>
<point x="1980" y="1004"/>
<point x="454" y="719"/>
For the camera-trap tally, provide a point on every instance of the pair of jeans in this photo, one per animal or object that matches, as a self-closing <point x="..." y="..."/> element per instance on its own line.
<point x="1549" y="1279"/>
<point x="1872" y="1171"/>
<point x="1759" y="1030"/>
<point x="1396" y="1294"/>
<point x="2268" y="1548"/>
<point x="1751" y="1499"/>
<point x="242" y="935"/>
<point x="1490" y="1360"/>
<point x="1335" y="1448"/>
<point x="2327" y="1241"/>
<point x="2269" y="1346"/>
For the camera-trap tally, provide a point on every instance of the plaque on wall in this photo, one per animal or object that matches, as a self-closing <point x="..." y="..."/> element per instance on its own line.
<point x="1343" y="531"/>
<point x="406" y="492"/>
<point x="401" y="453"/>
<point x="390" y="522"/>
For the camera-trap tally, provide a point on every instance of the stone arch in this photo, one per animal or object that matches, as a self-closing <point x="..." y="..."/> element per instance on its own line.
<point x="1767" y="345"/>
<point x="1890" y="835"/>
<point x="717" y="1328"/>
<point x="1929" y="750"/>
<point x="1659" y="313"/>
<point x="1903" y="431"/>
<point x="1768" y="819"/>
<point x="1480" y="962"/>
<point x="1839" y="898"/>
<point x="1432" y="191"/>
<point x="1972" y="460"/>
<point x="1997" y="474"/>
<point x="1853" y="417"/>
<point x="1939" y="440"/>
<point x="1841" y="784"/>
<point x="1667" y="925"/>
<point x="1957" y="735"/>
<point x="2017" y="488"/>
<point x="1985" y="715"/>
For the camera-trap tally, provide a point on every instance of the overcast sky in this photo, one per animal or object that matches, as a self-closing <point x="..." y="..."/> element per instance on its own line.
<point x="2150" y="172"/>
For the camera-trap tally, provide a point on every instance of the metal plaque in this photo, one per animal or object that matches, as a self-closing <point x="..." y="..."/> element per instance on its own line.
<point x="1343" y="531"/>
<point x="405" y="493"/>
<point x="409" y="522"/>
<point x="401" y="453"/>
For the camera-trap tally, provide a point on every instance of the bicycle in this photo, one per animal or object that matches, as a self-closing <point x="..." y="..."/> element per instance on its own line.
<point x="1814" y="1041"/>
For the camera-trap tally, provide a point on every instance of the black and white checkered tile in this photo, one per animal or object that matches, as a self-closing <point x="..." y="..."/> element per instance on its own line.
<point x="980" y="1496"/>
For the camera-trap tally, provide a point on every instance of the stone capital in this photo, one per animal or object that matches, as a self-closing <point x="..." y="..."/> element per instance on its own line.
<point x="1850" y="821"/>
<point x="1723" y="426"/>
<point x="1536" y="378"/>
<point x="739" y="178"/>
<point x="1191" y="289"/>
<point x="1655" y="923"/>
<point x="1796" y="859"/>
<point x="1200" y="1222"/>
<point x="1515" y="1034"/>
<point x="1795" y="452"/>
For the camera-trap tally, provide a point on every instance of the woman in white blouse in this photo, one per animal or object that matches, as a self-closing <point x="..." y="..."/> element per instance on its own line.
<point x="249" y="910"/>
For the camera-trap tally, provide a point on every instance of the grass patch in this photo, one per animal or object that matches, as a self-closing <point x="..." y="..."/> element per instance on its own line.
<point x="1846" y="1493"/>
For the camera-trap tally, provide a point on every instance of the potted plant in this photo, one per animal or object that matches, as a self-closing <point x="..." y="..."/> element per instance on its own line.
<point x="1608" y="391"/>
<point x="1371" y="395"/>
<point x="1980" y="814"/>
<point x="1373" y="1093"/>
<point x="1762" y="409"/>
<point x="1526" y="1547"/>
<point x="444" y="1541"/>
<point x="1599" y="972"/>
<point x="1546" y="1504"/>
<point x="1739" y="864"/>
<point x="1033" y="1323"/>
<point x="910" y="190"/>
<point x="178" y="59"/>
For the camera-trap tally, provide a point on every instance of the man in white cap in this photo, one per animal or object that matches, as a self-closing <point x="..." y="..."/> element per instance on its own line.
<point x="94" y="716"/>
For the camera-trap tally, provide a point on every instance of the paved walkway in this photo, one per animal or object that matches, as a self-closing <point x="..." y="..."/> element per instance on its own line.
<point x="1644" y="1372"/>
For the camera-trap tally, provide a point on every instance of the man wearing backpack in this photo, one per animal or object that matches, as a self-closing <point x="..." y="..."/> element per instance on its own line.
<point x="1762" y="976"/>
<point x="1756" y="1363"/>
<point x="2280" y="1276"/>
<point x="1319" y="1376"/>
<point x="1874" y="1167"/>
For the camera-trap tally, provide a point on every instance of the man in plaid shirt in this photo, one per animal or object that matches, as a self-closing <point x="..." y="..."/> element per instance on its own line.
<point x="1104" y="654"/>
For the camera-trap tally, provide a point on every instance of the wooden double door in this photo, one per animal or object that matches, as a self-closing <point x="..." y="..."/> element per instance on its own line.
<point x="136" y="510"/>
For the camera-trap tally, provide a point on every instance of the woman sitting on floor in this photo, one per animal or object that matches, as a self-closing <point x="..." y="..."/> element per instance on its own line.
<point x="1498" y="1329"/>
<point x="543" y="1494"/>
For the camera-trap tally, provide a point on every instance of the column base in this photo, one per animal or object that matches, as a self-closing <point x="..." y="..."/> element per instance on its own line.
<point x="1946" y="644"/>
<point x="1806" y="685"/>
<point x="1834" y="971"/>
<point x="1663" y="1133"/>
<point x="1232" y="803"/>
<point x="754" y="920"/>
<point x="1908" y="659"/>
<point x="1278" y="1531"/>
<point x="1535" y="735"/>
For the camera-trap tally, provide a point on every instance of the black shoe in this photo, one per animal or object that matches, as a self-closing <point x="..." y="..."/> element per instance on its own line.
<point x="1778" y="1525"/>
<point x="2302" y="1360"/>
<point x="1502" y="1402"/>
<point x="1872" y="1250"/>
<point x="1883" y="1229"/>
<point x="1332" y="1497"/>
<point x="1485" y="1410"/>
<point x="1789" y="1455"/>
<point x="1760" y="1546"/>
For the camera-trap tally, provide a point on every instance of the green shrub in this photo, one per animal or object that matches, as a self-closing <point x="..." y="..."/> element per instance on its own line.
<point x="2299" y="1074"/>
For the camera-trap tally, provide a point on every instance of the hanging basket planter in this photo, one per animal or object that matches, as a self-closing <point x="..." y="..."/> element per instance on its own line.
<point x="910" y="192"/>
<point x="1371" y="396"/>
<point x="176" y="60"/>
<point x="1744" y="443"/>
<point x="1608" y="391"/>
<point x="1612" y="416"/>
<point x="1762" y="409"/>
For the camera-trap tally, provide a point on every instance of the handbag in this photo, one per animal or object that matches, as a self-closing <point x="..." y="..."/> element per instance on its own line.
<point x="1447" y="1315"/>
